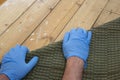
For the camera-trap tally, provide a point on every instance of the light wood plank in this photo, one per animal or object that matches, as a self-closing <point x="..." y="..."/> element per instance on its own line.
<point x="23" y="27"/>
<point x="2" y="1"/>
<point x="105" y="17"/>
<point x="54" y="22"/>
<point x="110" y="12"/>
<point x="12" y="10"/>
<point x="86" y="16"/>
<point x="113" y="6"/>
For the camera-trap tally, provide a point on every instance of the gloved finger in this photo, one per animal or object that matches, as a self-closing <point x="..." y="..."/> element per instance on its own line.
<point x="16" y="48"/>
<point x="82" y="31"/>
<point x="24" y="49"/>
<point x="66" y="37"/>
<point x="85" y="32"/>
<point x="73" y="31"/>
<point x="32" y="62"/>
<point x="89" y="36"/>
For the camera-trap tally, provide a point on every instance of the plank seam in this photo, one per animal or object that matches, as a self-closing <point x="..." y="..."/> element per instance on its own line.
<point x="68" y="12"/>
<point x="100" y="14"/>
<point x="40" y="22"/>
<point x="17" y="18"/>
<point x="112" y="12"/>
<point x="69" y="20"/>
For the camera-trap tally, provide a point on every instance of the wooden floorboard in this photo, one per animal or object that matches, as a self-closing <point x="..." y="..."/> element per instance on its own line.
<point x="105" y="17"/>
<point x="113" y="6"/>
<point x="36" y="23"/>
<point x="55" y="22"/>
<point x="110" y="12"/>
<point x="25" y="25"/>
<point x="11" y="11"/>
<point x="86" y="16"/>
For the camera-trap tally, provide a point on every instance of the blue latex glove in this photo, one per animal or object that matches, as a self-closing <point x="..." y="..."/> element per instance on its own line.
<point x="76" y="43"/>
<point x="14" y="65"/>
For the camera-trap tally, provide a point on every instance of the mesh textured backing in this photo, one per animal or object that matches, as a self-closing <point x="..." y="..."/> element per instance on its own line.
<point x="103" y="60"/>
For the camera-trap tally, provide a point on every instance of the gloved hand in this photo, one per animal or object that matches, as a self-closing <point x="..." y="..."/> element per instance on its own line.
<point x="14" y="65"/>
<point x="76" y="43"/>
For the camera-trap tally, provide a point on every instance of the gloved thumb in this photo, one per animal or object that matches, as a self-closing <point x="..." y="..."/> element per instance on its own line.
<point x="32" y="62"/>
<point x="66" y="37"/>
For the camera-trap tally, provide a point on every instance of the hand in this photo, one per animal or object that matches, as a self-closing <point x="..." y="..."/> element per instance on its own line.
<point x="14" y="65"/>
<point x="76" y="43"/>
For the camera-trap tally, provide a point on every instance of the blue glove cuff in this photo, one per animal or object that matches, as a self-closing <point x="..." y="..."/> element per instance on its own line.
<point x="9" y="76"/>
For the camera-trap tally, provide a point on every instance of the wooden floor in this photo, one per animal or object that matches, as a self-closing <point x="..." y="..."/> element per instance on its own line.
<point x="36" y="23"/>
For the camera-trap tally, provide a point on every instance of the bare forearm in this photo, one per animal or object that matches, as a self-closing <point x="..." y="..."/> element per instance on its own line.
<point x="74" y="69"/>
<point x="3" y="77"/>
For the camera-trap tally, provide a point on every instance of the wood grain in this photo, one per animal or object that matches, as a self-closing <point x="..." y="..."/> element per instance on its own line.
<point x="11" y="10"/>
<point x="85" y="17"/>
<point x="105" y="17"/>
<point x="55" y="22"/>
<point x="24" y="26"/>
<point x="36" y="23"/>
<point x="113" y="6"/>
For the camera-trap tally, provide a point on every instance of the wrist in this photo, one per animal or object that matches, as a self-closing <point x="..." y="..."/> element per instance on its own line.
<point x="3" y="77"/>
<point x="78" y="58"/>
<point x="78" y="55"/>
<point x="75" y="61"/>
<point x="74" y="69"/>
